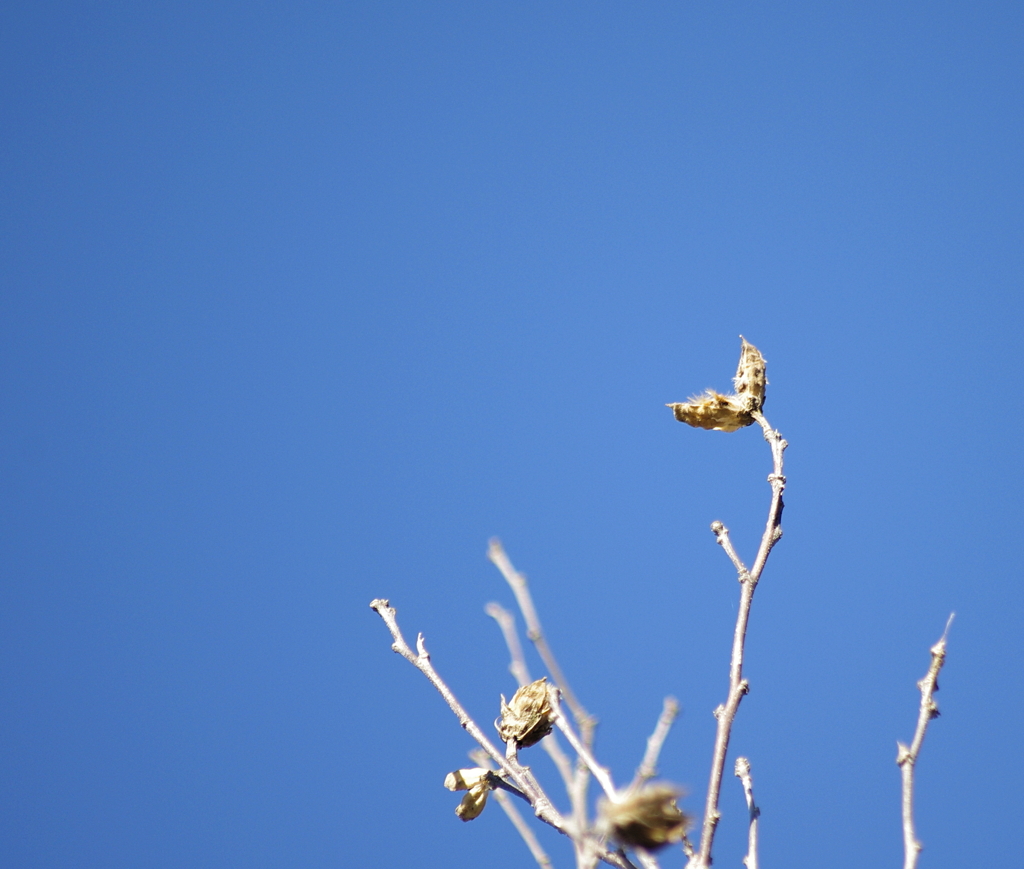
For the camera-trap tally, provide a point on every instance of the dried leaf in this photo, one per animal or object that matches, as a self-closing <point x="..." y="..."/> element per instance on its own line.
<point x="529" y="717"/>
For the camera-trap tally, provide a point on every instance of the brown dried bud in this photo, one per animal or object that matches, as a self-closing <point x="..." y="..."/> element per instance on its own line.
<point x="476" y="781"/>
<point x="718" y="412"/>
<point x="648" y="819"/>
<point x="530" y="715"/>
<point x="751" y="378"/>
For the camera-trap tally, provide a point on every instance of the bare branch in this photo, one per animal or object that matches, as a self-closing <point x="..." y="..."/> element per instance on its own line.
<point x="646" y="859"/>
<point x="743" y="774"/>
<point x="649" y="765"/>
<point x="722" y="537"/>
<point x="420" y="659"/>
<point x="773" y="527"/>
<point x="600" y="773"/>
<point x="507" y="622"/>
<point x="738" y="686"/>
<point x="517" y="582"/>
<point x="479" y="756"/>
<point x="906" y="758"/>
<point x="584" y="721"/>
<point x="521" y="775"/>
<point x="519" y="822"/>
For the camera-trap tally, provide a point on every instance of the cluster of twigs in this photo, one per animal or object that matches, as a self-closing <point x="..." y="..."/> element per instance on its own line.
<point x="634" y="821"/>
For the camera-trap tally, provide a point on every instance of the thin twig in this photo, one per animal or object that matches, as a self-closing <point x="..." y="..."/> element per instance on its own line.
<point x="521" y="775"/>
<point x="743" y="774"/>
<point x="517" y="582"/>
<point x="600" y="773"/>
<point x="738" y="686"/>
<point x="646" y="859"/>
<point x="584" y="720"/>
<point x="519" y="822"/>
<point x="479" y="756"/>
<point x="723" y="540"/>
<point x="906" y="758"/>
<point x="649" y="765"/>
<point x="507" y="622"/>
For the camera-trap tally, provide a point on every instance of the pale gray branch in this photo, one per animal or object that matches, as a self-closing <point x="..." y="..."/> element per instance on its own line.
<point x="906" y="757"/>
<point x="480" y="758"/>
<point x="517" y="582"/>
<point x="722" y="537"/>
<point x="584" y="721"/>
<point x="600" y="773"/>
<point x="738" y="686"/>
<point x="649" y="765"/>
<point x="743" y="774"/>
<point x="646" y="859"/>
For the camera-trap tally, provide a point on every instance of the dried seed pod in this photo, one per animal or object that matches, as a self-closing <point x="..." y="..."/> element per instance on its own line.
<point x="473" y="803"/>
<point x="529" y="717"/>
<point x="647" y="819"/>
<point x="751" y="378"/>
<point x="477" y="782"/>
<point x="464" y="779"/>
<point x="718" y="412"/>
<point x="713" y="411"/>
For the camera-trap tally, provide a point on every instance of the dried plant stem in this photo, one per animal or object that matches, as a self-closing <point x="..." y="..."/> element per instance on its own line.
<point x="906" y="757"/>
<point x="649" y="765"/>
<point x="517" y="582"/>
<point x="519" y="822"/>
<point x="586" y="723"/>
<point x="600" y="773"/>
<point x="743" y="774"/>
<point x="738" y="686"/>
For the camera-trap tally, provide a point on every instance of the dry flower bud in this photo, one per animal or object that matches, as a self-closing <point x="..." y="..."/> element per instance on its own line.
<point x="529" y="717"/>
<point x="718" y="412"/>
<point x="647" y="819"/>
<point x="464" y="779"/>
<point x="476" y="781"/>
<point x="751" y="378"/>
<point x="473" y="802"/>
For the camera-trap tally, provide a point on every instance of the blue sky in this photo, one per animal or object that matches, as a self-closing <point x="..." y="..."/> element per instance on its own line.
<point x="302" y="303"/>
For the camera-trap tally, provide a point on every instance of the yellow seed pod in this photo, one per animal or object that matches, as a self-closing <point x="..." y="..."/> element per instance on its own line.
<point x="647" y="819"/>
<point x="529" y="717"/>
<point x="473" y="802"/>
<point x="477" y="782"/>
<point x="719" y="412"/>
<point x="751" y="376"/>
<point x="464" y="779"/>
<point x="713" y="411"/>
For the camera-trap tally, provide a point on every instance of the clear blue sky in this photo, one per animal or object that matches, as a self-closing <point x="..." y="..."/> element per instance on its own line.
<point x="301" y="303"/>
